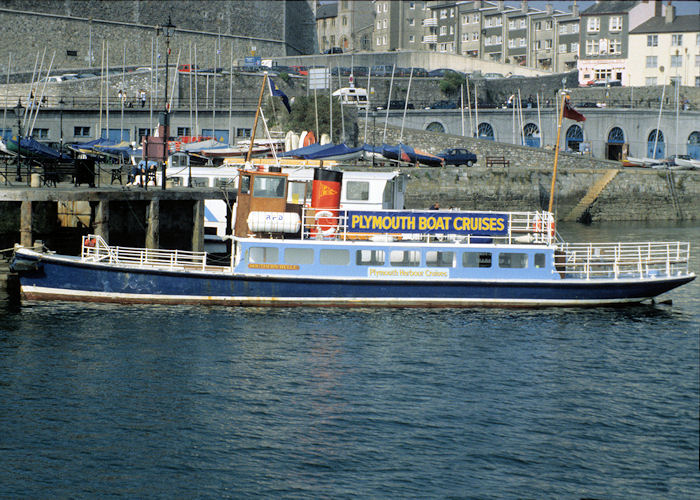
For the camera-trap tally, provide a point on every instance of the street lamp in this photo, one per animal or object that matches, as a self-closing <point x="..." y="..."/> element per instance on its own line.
<point x="61" y="103"/>
<point x="168" y="31"/>
<point x="19" y="113"/>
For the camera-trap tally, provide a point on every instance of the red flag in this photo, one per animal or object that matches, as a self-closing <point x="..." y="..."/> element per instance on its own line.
<point x="572" y="114"/>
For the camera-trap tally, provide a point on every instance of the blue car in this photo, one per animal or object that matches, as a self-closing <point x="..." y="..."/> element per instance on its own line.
<point x="458" y="156"/>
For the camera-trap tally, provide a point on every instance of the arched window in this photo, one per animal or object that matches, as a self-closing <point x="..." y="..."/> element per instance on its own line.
<point x="532" y="135"/>
<point x="485" y="131"/>
<point x="655" y="144"/>
<point x="616" y="136"/>
<point x="694" y="145"/>
<point x="574" y="137"/>
<point x="435" y="127"/>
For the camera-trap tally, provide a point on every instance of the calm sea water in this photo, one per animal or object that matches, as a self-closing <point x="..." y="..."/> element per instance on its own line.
<point x="179" y="402"/>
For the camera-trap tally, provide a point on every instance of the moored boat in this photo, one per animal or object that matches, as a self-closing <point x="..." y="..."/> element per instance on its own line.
<point x="290" y="255"/>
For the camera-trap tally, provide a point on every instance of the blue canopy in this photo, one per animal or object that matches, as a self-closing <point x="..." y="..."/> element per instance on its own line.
<point x="31" y="147"/>
<point x="325" y="151"/>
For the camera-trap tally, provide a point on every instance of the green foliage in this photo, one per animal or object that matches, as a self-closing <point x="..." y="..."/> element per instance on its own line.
<point x="303" y="115"/>
<point x="451" y="82"/>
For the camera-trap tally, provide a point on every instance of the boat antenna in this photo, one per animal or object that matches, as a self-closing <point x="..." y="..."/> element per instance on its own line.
<point x="556" y="150"/>
<point x="257" y="113"/>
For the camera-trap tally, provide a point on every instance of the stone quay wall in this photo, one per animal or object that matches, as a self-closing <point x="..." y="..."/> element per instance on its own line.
<point x="76" y="29"/>
<point x="634" y="194"/>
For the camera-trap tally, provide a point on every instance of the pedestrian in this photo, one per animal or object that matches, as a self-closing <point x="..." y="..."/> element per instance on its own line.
<point x="436" y="206"/>
<point x="142" y="96"/>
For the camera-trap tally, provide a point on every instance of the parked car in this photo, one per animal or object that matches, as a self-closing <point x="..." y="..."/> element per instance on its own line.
<point x="69" y="76"/>
<point x="444" y="105"/>
<point x="334" y="50"/>
<point x="86" y="75"/>
<point x="441" y="72"/>
<point x="398" y="104"/>
<point x="457" y="157"/>
<point x="382" y="70"/>
<point x="493" y="76"/>
<point x="420" y="72"/>
<point x="187" y="68"/>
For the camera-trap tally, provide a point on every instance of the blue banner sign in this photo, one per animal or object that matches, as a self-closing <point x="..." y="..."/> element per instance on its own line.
<point x="481" y="224"/>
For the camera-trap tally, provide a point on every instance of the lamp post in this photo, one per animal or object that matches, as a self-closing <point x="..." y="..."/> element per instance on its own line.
<point x="61" y="103"/>
<point x="168" y="31"/>
<point x="19" y="112"/>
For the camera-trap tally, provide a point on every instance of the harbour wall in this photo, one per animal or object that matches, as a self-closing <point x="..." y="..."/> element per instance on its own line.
<point x="639" y="194"/>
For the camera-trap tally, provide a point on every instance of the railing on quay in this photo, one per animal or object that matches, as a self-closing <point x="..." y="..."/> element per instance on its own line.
<point x="623" y="260"/>
<point x="95" y="249"/>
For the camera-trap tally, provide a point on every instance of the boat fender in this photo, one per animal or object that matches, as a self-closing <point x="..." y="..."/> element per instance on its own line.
<point x="537" y="224"/>
<point x="89" y="242"/>
<point x="326" y="228"/>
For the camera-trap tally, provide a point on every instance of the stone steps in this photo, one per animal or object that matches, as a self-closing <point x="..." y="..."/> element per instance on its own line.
<point x="592" y="194"/>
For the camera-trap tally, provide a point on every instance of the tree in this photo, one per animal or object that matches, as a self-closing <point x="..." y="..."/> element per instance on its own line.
<point x="451" y="82"/>
<point x="303" y="115"/>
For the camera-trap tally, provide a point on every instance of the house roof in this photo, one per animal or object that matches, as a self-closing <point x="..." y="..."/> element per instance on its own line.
<point x="610" y="7"/>
<point x="326" y="10"/>
<point x="658" y="24"/>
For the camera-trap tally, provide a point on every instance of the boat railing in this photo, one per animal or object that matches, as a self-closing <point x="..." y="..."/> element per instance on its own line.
<point x="622" y="260"/>
<point x="96" y="249"/>
<point x="536" y="227"/>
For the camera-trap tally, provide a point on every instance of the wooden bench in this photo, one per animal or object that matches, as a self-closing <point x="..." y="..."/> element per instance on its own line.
<point x="497" y="160"/>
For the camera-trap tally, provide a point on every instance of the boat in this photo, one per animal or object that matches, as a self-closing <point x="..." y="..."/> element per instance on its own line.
<point x="32" y="148"/>
<point x="286" y="254"/>
<point x="684" y="162"/>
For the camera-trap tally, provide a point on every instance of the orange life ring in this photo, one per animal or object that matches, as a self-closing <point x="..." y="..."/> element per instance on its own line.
<point x="89" y="242"/>
<point x="325" y="222"/>
<point x="537" y="224"/>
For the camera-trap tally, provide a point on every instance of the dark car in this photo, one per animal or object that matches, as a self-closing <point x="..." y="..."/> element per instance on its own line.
<point x="458" y="156"/>
<point x="398" y="104"/>
<point x="442" y="72"/>
<point x="334" y="50"/>
<point x="444" y="105"/>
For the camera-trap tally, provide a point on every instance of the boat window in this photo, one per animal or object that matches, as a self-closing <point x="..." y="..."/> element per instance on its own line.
<point x="539" y="260"/>
<point x="245" y="184"/>
<point x="297" y="191"/>
<point x="439" y="259"/>
<point x="299" y="256"/>
<point x="369" y="257"/>
<point x="268" y="187"/>
<point x="476" y="259"/>
<point x="258" y="255"/>
<point x="404" y="258"/>
<point x="176" y="181"/>
<point x="512" y="260"/>
<point x="329" y="257"/>
<point x="357" y="190"/>
<point x="225" y="182"/>
<point x="388" y="197"/>
<point x="200" y="182"/>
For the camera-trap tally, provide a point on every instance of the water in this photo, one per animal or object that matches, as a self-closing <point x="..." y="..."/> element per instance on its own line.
<point x="133" y="401"/>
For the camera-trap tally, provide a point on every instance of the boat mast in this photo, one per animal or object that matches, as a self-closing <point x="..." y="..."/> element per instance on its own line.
<point x="257" y="114"/>
<point x="556" y="152"/>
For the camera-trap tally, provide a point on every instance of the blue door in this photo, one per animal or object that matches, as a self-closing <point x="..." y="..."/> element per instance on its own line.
<point x="694" y="145"/>
<point x="574" y="138"/>
<point x="117" y="135"/>
<point x="656" y="142"/>
<point x="220" y="135"/>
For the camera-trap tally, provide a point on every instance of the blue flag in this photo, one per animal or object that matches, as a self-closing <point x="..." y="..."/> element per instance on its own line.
<point x="275" y="91"/>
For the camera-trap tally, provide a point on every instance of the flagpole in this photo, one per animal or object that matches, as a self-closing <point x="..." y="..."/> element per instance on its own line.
<point x="257" y="113"/>
<point x="556" y="151"/>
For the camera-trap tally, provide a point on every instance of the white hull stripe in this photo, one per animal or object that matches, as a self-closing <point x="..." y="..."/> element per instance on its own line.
<point x="41" y="293"/>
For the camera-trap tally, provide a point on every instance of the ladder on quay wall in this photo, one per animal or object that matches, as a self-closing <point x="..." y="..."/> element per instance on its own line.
<point x="592" y="194"/>
<point x="674" y="197"/>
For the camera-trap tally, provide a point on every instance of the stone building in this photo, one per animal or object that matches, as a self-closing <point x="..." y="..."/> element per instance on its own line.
<point x="347" y="25"/>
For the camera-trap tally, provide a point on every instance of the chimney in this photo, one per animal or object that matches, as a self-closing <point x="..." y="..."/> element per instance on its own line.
<point x="670" y="13"/>
<point x="549" y="8"/>
<point x="523" y="6"/>
<point x="574" y="9"/>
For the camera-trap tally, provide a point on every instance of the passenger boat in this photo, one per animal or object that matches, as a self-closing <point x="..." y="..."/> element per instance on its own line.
<point x="286" y="254"/>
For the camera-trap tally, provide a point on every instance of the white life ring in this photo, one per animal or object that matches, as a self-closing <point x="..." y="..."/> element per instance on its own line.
<point x="325" y="214"/>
